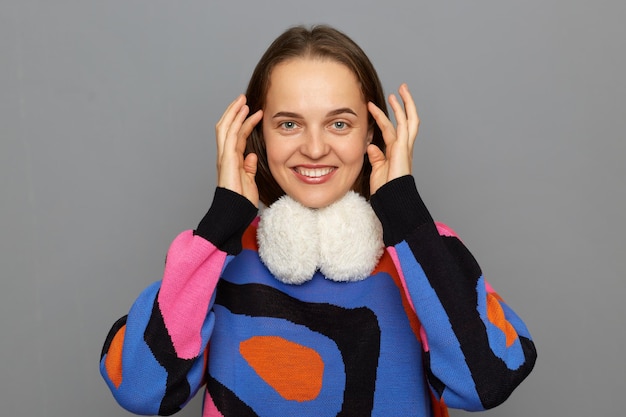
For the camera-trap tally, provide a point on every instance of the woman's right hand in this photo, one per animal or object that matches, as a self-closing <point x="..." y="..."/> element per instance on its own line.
<point x="234" y="172"/>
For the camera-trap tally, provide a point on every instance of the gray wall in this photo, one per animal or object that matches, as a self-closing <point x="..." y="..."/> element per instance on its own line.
<point x="107" y="111"/>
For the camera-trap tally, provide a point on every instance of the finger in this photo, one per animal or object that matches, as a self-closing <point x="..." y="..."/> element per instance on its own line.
<point x="383" y="122"/>
<point x="246" y="129"/>
<point x="222" y="126"/>
<point x="238" y="121"/>
<point x="227" y="137"/>
<point x="413" y="120"/>
<point x="250" y="164"/>
<point x="249" y="188"/>
<point x="375" y="155"/>
<point x="231" y="137"/>
<point x="231" y="110"/>
<point x="377" y="158"/>
<point x="400" y="115"/>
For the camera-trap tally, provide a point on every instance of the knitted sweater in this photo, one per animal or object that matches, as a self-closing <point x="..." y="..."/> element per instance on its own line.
<point x="424" y="332"/>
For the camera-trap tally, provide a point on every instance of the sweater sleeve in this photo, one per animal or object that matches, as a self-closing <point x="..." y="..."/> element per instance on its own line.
<point x="476" y="349"/>
<point x="153" y="359"/>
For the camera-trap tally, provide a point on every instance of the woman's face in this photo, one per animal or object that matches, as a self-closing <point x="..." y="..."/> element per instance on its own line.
<point x="315" y="125"/>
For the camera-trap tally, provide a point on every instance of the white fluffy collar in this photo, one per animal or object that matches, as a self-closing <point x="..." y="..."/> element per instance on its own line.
<point x="343" y="240"/>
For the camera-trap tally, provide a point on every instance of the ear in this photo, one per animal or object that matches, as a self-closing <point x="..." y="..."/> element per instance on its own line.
<point x="370" y="136"/>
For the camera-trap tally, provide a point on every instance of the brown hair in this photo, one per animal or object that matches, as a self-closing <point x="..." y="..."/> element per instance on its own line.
<point x="319" y="42"/>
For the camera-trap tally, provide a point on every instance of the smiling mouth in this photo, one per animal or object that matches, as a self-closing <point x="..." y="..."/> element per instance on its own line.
<point x="314" y="172"/>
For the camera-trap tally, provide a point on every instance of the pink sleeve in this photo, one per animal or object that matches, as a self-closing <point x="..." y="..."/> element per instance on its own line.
<point x="192" y="270"/>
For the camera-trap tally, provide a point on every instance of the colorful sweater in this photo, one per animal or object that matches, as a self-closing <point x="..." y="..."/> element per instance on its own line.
<point x="424" y="332"/>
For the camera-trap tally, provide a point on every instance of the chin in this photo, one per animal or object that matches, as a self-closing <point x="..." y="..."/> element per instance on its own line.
<point x="316" y="202"/>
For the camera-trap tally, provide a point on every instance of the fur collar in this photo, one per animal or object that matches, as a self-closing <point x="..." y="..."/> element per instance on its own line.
<point x="343" y="240"/>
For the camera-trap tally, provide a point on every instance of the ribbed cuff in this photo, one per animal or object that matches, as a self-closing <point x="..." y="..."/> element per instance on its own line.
<point x="400" y="209"/>
<point x="226" y="221"/>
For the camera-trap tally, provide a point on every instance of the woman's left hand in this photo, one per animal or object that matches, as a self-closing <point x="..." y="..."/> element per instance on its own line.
<point x="398" y="159"/>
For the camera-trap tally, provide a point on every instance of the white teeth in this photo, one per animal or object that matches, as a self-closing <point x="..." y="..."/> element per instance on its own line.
<point x="314" y="172"/>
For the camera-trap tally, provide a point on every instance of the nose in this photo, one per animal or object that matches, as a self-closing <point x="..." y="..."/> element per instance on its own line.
<point x="314" y="144"/>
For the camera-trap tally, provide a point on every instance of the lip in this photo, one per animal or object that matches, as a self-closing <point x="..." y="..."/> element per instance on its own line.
<point x="314" y="174"/>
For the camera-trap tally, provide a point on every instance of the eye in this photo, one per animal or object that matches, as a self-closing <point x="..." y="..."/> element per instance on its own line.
<point x="339" y="125"/>
<point x="289" y="125"/>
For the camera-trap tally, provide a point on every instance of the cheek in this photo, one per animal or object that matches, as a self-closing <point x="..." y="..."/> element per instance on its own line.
<point x="355" y="152"/>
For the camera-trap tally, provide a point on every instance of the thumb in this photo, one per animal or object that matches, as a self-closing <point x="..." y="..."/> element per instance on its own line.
<point x="250" y="164"/>
<point x="375" y="155"/>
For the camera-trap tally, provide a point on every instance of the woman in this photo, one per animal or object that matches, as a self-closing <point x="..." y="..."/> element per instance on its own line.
<point x="343" y="297"/>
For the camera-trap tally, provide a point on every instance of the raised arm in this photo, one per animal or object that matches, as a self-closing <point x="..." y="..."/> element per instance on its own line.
<point x="476" y="349"/>
<point x="154" y="359"/>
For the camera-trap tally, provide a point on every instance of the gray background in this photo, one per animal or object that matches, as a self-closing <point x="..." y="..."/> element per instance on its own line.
<point x="107" y="111"/>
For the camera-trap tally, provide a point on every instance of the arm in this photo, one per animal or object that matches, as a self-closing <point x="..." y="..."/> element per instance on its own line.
<point x="476" y="348"/>
<point x="154" y="358"/>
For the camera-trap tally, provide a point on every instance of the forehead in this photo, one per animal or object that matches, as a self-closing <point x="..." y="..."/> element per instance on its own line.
<point x="304" y="82"/>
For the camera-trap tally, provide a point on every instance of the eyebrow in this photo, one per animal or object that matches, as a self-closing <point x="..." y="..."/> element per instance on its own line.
<point x="335" y="112"/>
<point x="341" y="111"/>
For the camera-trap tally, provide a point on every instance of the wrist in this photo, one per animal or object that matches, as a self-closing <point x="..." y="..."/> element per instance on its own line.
<point x="226" y="220"/>
<point x="400" y="209"/>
